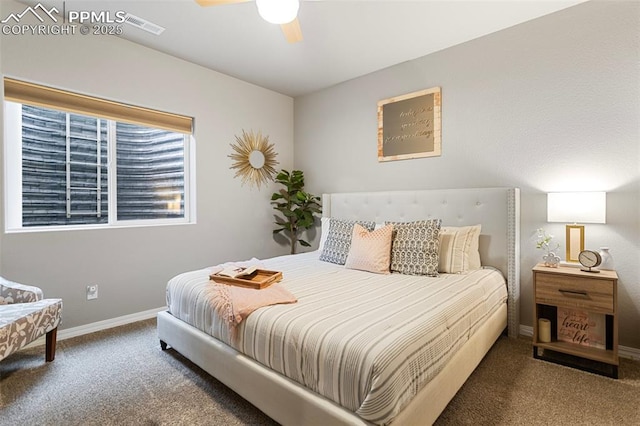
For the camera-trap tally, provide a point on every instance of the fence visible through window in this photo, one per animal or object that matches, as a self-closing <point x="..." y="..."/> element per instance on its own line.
<point x="66" y="174"/>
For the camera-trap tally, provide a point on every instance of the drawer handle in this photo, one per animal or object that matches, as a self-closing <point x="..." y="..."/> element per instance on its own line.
<point x="574" y="293"/>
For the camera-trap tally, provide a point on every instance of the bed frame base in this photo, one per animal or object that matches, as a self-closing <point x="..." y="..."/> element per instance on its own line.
<point x="289" y="403"/>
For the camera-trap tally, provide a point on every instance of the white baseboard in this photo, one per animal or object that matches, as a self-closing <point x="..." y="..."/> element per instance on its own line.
<point x="525" y="330"/>
<point x="628" y="352"/>
<point x="623" y="351"/>
<point x="99" y="326"/>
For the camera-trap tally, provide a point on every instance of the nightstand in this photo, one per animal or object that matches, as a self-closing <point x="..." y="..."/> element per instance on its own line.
<point x="582" y="312"/>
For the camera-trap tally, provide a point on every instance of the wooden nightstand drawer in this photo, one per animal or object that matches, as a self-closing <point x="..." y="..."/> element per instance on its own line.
<point x="592" y="294"/>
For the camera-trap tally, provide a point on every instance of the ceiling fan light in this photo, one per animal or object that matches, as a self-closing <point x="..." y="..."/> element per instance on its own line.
<point x="278" y="11"/>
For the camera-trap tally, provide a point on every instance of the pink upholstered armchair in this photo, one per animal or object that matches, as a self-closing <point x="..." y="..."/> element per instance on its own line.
<point x="25" y="316"/>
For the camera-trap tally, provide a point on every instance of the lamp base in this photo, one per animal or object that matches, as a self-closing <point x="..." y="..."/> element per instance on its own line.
<point x="574" y="241"/>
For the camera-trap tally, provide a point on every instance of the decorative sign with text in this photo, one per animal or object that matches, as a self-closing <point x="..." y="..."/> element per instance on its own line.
<point x="409" y="126"/>
<point x="581" y="327"/>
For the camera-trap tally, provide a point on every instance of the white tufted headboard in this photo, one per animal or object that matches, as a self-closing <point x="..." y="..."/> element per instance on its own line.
<point x="496" y="209"/>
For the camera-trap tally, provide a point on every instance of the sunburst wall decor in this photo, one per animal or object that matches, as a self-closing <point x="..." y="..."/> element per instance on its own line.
<point x="254" y="158"/>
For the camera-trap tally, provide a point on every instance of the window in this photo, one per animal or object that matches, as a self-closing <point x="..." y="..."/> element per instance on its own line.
<point x="66" y="168"/>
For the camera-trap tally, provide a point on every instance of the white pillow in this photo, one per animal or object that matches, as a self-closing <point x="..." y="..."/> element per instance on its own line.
<point x="370" y="250"/>
<point x="324" y="231"/>
<point x="459" y="249"/>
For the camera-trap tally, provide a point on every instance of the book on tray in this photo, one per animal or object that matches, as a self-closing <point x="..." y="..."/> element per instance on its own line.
<point x="238" y="272"/>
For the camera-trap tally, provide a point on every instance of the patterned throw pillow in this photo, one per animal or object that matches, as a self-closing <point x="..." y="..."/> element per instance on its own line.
<point x="370" y="250"/>
<point x="414" y="249"/>
<point x="459" y="249"/>
<point x="336" y="247"/>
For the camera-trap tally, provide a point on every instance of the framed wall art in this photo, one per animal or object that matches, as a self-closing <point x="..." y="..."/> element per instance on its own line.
<point x="409" y="126"/>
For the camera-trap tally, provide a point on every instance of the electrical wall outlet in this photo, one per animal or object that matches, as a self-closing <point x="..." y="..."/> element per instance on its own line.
<point x="92" y="292"/>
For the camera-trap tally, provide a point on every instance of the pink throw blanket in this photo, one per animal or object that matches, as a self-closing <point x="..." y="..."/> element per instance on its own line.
<point x="233" y="304"/>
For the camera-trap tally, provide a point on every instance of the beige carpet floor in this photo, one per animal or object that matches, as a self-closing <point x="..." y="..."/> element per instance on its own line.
<point x="121" y="377"/>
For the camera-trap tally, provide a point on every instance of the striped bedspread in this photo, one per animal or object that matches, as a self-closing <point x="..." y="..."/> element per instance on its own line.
<point x="368" y="342"/>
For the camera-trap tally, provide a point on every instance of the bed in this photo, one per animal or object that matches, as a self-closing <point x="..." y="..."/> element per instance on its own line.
<point x="276" y="378"/>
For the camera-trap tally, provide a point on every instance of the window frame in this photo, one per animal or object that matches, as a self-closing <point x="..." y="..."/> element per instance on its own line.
<point x="13" y="178"/>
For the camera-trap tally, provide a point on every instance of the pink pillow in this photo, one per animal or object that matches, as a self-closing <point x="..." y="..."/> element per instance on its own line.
<point x="370" y="250"/>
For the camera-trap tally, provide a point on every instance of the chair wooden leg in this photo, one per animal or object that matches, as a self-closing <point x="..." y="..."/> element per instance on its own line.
<point x="50" y="351"/>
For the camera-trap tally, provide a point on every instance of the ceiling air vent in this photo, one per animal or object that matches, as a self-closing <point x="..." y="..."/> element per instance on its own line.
<point x="143" y="24"/>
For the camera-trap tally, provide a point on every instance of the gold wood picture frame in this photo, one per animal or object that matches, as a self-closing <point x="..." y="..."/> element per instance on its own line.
<point x="409" y="126"/>
<point x="575" y="242"/>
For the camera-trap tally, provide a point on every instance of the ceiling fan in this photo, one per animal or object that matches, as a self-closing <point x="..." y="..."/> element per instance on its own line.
<point x="282" y="12"/>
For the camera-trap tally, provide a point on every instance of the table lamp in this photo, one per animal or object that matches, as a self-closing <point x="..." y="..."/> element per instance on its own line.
<point x="573" y="208"/>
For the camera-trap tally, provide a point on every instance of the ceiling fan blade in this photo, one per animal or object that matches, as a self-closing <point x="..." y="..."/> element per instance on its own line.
<point x="218" y="2"/>
<point x="292" y="31"/>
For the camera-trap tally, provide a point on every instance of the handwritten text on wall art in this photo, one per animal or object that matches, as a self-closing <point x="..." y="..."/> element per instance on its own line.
<point x="409" y="126"/>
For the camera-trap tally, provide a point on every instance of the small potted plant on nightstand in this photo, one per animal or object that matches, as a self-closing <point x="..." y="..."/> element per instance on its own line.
<point x="544" y="243"/>
<point x="297" y="206"/>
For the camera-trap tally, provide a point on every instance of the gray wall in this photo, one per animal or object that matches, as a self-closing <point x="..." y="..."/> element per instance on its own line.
<point x="132" y="266"/>
<point x="548" y="105"/>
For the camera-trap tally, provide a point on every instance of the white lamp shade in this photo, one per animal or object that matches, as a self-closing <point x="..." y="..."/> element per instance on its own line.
<point x="278" y="11"/>
<point x="577" y="207"/>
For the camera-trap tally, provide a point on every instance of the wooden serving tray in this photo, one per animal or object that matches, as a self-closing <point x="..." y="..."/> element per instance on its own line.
<point x="262" y="278"/>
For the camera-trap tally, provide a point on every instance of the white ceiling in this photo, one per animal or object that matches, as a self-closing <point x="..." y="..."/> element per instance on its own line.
<point x="343" y="39"/>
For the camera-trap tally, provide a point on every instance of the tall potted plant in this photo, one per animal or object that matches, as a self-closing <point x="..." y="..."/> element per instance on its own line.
<point x="297" y="206"/>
